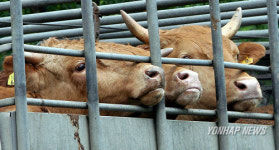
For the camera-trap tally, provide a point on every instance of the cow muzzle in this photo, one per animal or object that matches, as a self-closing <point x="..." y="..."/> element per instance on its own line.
<point x="155" y="84"/>
<point x="248" y="94"/>
<point x="189" y="81"/>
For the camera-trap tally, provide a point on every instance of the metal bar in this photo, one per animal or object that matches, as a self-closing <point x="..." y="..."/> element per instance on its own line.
<point x="109" y="20"/>
<point x="197" y="11"/>
<point x="238" y="35"/>
<point x="114" y="8"/>
<point x="219" y="73"/>
<point x="20" y="79"/>
<point x="104" y="10"/>
<point x="140" y="5"/>
<point x="46" y="16"/>
<point x="78" y="31"/>
<point x="95" y="130"/>
<point x="132" y="108"/>
<point x="44" y="35"/>
<point x="35" y="3"/>
<point x="274" y="55"/>
<point x="7" y="101"/>
<point x="53" y="50"/>
<point x="171" y="23"/>
<point x="134" y="58"/>
<point x="42" y="27"/>
<point x="5" y="47"/>
<point x="162" y="134"/>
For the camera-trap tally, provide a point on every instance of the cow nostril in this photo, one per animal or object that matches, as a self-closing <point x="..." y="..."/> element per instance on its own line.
<point x="183" y="76"/>
<point x="239" y="85"/>
<point x="152" y="73"/>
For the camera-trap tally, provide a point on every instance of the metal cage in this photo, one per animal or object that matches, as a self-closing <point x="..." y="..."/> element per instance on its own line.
<point x="23" y="130"/>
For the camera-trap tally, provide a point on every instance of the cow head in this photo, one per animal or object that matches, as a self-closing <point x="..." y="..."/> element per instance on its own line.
<point x="195" y="42"/>
<point x="64" y="77"/>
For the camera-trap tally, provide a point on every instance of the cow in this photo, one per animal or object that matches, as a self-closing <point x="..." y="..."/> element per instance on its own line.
<point x="119" y="82"/>
<point x="195" y="42"/>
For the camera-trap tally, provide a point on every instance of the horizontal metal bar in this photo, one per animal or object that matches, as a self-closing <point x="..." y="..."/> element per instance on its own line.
<point x="134" y="41"/>
<point x="114" y="8"/>
<point x="5" y="47"/>
<point x="104" y="10"/>
<point x="251" y="34"/>
<point x="233" y="114"/>
<point x="44" y="35"/>
<point x="7" y="102"/>
<point x="83" y="105"/>
<point x="239" y="35"/>
<point x="142" y="16"/>
<point x="197" y="12"/>
<point x="52" y="50"/>
<point x="141" y="5"/>
<point x="78" y="31"/>
<point x="246" y="67"/>
<point x="42" y="27"/>
<point x="132" y="108"/>
<point x="35" y="3"/>
<point x="135" y="58"/>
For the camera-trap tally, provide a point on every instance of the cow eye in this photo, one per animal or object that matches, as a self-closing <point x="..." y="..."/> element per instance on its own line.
<point x="186" y="57"/>
<point x="80" y="67"/>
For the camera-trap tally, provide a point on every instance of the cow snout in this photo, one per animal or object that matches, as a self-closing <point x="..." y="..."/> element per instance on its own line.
<point x="154" y="85"/>
<point x="155" y="74"/>
<point x="248" y="94"/>
<point x="188" y="75"/>
<point x="190" y="82"/>
<point x="249" y="88"/>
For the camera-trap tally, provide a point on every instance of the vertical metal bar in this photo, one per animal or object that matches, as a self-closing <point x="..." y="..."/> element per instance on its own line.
<point x="20" y="79"/>
<point x="274" y="55"/>
<point x="161" y="121"/>
<point x="218" y="65"/>
<point x="91" y="75"/>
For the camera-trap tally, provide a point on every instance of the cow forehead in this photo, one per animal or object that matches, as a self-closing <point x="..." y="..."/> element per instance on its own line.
<point x="196" y="41"/>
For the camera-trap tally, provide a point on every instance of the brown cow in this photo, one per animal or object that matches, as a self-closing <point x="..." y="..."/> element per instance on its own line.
<point x="119" y="82"/>
<point x="195" y="42"/>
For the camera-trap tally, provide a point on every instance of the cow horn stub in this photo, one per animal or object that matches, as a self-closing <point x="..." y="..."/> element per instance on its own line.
<point x="230" y="29"/>
<point x="166" y="51"/>
<point x="33" y="58"/>
<point x="137" y="30"/>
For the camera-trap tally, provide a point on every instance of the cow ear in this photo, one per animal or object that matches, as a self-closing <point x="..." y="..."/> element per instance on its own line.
<point x="31" y="59"/>
<point x="8" y="64"/>
<point x="250" y="53"/>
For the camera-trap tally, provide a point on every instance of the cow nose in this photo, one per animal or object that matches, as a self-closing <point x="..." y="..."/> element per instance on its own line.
<point x="156" y="74"/>
<point x="188" y="75"/>
<point x="249" y="86"/>
<point x="152" y="73"/>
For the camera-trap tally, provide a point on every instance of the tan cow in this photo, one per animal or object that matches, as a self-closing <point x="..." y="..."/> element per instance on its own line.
<point x="119" y="82"/>
<point x="195" y="42"/>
